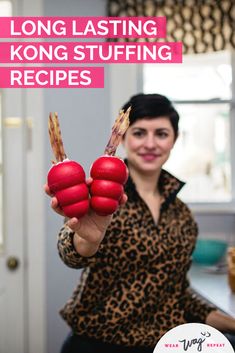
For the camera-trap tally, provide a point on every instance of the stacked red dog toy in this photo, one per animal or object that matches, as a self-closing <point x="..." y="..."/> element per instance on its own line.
<point x="66" y="179"/>
<point x="109" y="173"/>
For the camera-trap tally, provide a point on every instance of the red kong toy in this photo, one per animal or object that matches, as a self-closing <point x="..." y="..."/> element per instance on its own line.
<point x="66" y="179"/>
<point x="109" y="173"/>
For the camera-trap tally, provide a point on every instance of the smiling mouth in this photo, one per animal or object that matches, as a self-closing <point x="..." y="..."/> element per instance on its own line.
<point x="149" y="156"/>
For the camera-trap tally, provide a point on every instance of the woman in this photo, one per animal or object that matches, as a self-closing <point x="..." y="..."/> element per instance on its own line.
<point x="134" y="287"/>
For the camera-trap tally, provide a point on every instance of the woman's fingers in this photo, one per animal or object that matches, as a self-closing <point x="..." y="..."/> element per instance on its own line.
<point x="54" y="202"/>
<point x="55" y="206"/>
<point x="123" y="199"/>
<point x="89" y="181"/>
<point x="74" y="224"/>
<point x="47" y="190"/>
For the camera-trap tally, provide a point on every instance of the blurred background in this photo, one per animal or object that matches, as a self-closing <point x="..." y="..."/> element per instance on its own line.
<point x="34" y="283"/>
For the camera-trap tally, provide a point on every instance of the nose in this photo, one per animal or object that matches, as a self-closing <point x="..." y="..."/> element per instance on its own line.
<point x="150" y="141"/>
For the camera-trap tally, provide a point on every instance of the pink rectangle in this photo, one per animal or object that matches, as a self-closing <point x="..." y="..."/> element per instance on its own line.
<point x="90" y="52"/>
<point x="82" y="27"/>
<point x="51" y="77"/>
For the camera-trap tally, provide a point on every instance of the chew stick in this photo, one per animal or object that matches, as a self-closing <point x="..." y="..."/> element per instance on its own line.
<point x="56" y="138"/>
<point x="118" y="130"/>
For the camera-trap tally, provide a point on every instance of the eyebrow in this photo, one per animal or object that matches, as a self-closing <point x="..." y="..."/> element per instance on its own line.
<point x="144" y="129"/>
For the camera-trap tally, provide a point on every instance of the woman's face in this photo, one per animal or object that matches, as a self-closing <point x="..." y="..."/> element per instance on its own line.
<point x="148" y="143"/>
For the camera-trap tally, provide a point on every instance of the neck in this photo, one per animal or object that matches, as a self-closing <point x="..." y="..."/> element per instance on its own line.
<point x="146" y="183"/>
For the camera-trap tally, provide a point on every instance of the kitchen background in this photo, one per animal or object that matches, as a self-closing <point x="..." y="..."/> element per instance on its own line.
<point x="34" y="283"/>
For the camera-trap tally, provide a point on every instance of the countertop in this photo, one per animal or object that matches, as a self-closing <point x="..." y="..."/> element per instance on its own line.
<point x="213" y="287"/>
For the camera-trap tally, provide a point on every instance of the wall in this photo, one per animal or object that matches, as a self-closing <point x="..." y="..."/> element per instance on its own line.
<point x="85" y="122"/>
<point x="217" y="226"/>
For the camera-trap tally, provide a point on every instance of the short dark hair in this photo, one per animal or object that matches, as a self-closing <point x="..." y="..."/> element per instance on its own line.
<point x="152" y="106"/>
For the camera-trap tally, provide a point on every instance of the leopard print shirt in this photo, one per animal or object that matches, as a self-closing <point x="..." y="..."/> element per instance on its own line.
<point x="135" y="288"/>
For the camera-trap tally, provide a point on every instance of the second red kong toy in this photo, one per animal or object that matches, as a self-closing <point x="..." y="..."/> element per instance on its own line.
<point x="109" y="173"/>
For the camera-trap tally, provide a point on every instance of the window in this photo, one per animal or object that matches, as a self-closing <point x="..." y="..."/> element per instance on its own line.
<point x="201" y="91"/>
<point x="5" y="8"/>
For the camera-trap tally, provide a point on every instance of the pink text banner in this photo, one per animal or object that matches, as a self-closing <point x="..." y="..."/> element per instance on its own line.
<point x="51" y="77"/>
<point x="90" y="52"/>
<point x="82" y="27"/>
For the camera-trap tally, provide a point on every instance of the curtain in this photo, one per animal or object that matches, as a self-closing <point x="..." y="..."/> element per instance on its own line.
<point x="201" y="25"/>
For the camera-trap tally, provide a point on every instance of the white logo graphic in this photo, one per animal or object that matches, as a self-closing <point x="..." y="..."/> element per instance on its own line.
<point x="193" y="338"/>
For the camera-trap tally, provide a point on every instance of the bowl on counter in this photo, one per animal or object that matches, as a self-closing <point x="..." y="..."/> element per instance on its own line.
<point x="209" y="251"/>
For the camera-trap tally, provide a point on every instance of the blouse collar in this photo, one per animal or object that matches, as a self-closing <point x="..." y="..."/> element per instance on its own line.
<point x="169" y="187"/>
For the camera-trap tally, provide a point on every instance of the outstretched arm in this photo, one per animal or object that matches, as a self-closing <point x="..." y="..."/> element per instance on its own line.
<point x="221" y="321"/>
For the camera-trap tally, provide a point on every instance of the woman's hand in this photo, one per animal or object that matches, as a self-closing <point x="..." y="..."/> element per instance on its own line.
<point x="89" y="230"/>
<point x="221" y="321"/>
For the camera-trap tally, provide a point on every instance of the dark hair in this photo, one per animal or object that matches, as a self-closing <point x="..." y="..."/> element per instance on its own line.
<point x="152" y="106"/>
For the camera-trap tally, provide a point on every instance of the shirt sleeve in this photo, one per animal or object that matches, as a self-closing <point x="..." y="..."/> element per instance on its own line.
<point x="68" y="253"/>
<point x="196" y="308"/>
<point x="70" y="256"/>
